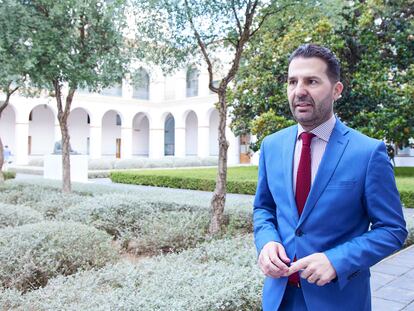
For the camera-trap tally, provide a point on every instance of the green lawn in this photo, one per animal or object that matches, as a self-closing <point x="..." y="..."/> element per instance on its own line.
<point x="405" y="183"/>
<point x="245" y="173"/>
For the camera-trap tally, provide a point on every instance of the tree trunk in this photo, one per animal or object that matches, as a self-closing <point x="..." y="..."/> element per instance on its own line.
<point x="66" y="182"/>
<point x="219" y="197"/>
<point x="63" y="114"/>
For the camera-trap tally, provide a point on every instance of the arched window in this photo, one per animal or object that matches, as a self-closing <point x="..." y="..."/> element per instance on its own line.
<point x="192" y="82"/>
<point x="140" y="81"/>
<point x="114" y="90"/>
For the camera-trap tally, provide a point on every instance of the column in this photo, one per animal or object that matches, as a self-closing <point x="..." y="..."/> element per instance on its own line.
<point x="126" y="142"/>
<point x="156" y="143"/>
<point x="203" y="141"/>
<point x="21" y="143"/>
<point x="95" y="151"/>
<point x="233" y="153"/>
<point x="180" y="141"/>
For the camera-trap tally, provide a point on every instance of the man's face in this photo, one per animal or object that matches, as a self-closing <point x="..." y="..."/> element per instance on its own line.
<point x="310" y="92"/>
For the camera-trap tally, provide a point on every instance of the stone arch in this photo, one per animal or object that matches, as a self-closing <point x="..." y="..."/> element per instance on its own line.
<point x="8" y="128"/>
<point x="79" y="130"/>
<point x="111" y="133"/>
<point x="191" y="133"/>
<point x="41" y="130"/>
<point x="140" y="134"/>
<point x="169" y="135"/>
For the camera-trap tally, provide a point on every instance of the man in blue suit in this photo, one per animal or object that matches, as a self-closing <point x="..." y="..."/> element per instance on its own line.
<point x="326" y="207"/>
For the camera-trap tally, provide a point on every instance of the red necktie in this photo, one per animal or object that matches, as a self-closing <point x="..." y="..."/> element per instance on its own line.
<point x="303" y="183"/>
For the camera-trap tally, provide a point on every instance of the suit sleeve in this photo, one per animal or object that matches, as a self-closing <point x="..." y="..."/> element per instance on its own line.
<point x="387" y="234"/>
<point x="264" y="208"/>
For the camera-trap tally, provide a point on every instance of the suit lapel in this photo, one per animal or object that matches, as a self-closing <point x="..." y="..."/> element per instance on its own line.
<point x="333" y="153"/>
<point x="288" y="152"/>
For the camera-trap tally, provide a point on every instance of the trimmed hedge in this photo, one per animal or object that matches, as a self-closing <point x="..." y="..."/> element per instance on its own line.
<point x="15" y="215"/>
<point x="221" y="275"/>
<point x="32" y="254"/>
<point x="404" y="171"/>
<point x="241" y="187"/>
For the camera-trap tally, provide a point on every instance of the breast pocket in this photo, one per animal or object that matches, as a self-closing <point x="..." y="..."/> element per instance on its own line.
<point x="341" y="184"/>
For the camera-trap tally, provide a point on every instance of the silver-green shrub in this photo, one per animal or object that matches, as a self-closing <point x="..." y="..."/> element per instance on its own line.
<point x="32" y="254"/>
<point x="221" y="275"/>
<point x="16" y="215"/>
<point x="142" y="226"/>
<point x="46" y="200"/>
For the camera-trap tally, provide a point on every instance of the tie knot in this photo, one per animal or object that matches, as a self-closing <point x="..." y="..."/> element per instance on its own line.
<point x="307" y="138"/>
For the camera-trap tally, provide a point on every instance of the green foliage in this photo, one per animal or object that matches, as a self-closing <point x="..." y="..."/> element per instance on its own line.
<point x="16" y="215"/>
<point x="406" y="171"/>
<point x="407" y="198"/>
<point x="79" y="43"/>
<point x="375" y="45"/>
<point x="266" y="124"/>
<point x="243" y="187"/>
<point x="142" y="226"/>
<point x="9" y="175"/>
<point x="48" y="201"/>
<point x="222" y="275"/>
<point x="32" y="254"/>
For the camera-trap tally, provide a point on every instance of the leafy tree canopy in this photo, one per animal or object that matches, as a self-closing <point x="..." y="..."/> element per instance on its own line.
<point x="375" y="44"/>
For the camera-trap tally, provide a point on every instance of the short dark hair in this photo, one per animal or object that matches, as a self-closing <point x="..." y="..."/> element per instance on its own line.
<point x="325" y="54"/>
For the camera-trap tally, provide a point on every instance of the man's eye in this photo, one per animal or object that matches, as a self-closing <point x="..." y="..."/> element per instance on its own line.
<point x="312" y="82"/>
<point x="292" y="82"/>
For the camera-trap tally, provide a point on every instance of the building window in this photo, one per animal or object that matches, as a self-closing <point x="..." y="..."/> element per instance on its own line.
<point x="140" y="81"/>
<point x="192" y="82"/>
<point x="114" y="90"/>
<point x="118" y="120"/>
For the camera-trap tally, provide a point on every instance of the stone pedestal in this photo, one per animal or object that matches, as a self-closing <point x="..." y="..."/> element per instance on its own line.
<point x="78" y="167"/>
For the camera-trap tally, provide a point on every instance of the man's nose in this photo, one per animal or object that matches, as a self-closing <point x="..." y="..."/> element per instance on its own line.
<point x="300" y="90"/>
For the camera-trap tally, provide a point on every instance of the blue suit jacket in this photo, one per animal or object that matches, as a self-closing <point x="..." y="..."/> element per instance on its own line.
<point x="353" y="214"/>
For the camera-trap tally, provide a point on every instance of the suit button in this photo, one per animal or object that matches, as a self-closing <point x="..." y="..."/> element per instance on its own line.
<point x="298" y="232"/>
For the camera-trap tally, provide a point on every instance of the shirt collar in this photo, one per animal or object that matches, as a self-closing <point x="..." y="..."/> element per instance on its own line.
<point x="322" y="131"/>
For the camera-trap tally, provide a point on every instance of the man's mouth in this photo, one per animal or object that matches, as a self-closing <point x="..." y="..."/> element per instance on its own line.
<point x="303" y="104"/>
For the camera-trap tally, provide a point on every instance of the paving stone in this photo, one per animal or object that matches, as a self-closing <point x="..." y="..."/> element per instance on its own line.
<point x="405" y="260"/>
<point x="395" y="294"/>
<point x="379" y="304"/>
<point x="410" y="307"/>
<point x="386" y="268"/>
<point x="405" y="282"/>
<point x="380" y="279"/>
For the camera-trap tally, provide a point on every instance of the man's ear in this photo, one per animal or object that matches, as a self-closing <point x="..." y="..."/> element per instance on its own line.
<point x="338" y="88"/>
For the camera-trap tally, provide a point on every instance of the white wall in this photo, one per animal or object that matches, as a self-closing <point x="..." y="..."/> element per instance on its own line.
<point x="42" y="130"/>
<point x="140" y="135"/>
<point x="191" y="134"/>
<point x="110" y="132"/>
<point x="214" y="123"/>
<point x="8" y="128"/>
<point x="79" y="130"/>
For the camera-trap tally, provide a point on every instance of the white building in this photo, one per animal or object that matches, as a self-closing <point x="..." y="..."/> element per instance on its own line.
<point x="161" y="116"/>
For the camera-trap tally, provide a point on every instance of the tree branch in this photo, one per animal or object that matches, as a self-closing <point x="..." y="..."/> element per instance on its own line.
<point x="202" y="47"/>
<point x="269" y="13"/>
<point x="236" y="17"/>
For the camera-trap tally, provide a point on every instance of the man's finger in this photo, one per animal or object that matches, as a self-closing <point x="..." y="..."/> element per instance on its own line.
<point x="301" y="264"/>
<point x="282" y="254"/>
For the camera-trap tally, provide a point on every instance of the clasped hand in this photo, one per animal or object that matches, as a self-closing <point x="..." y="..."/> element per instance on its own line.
<point x="315" y="268"/>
